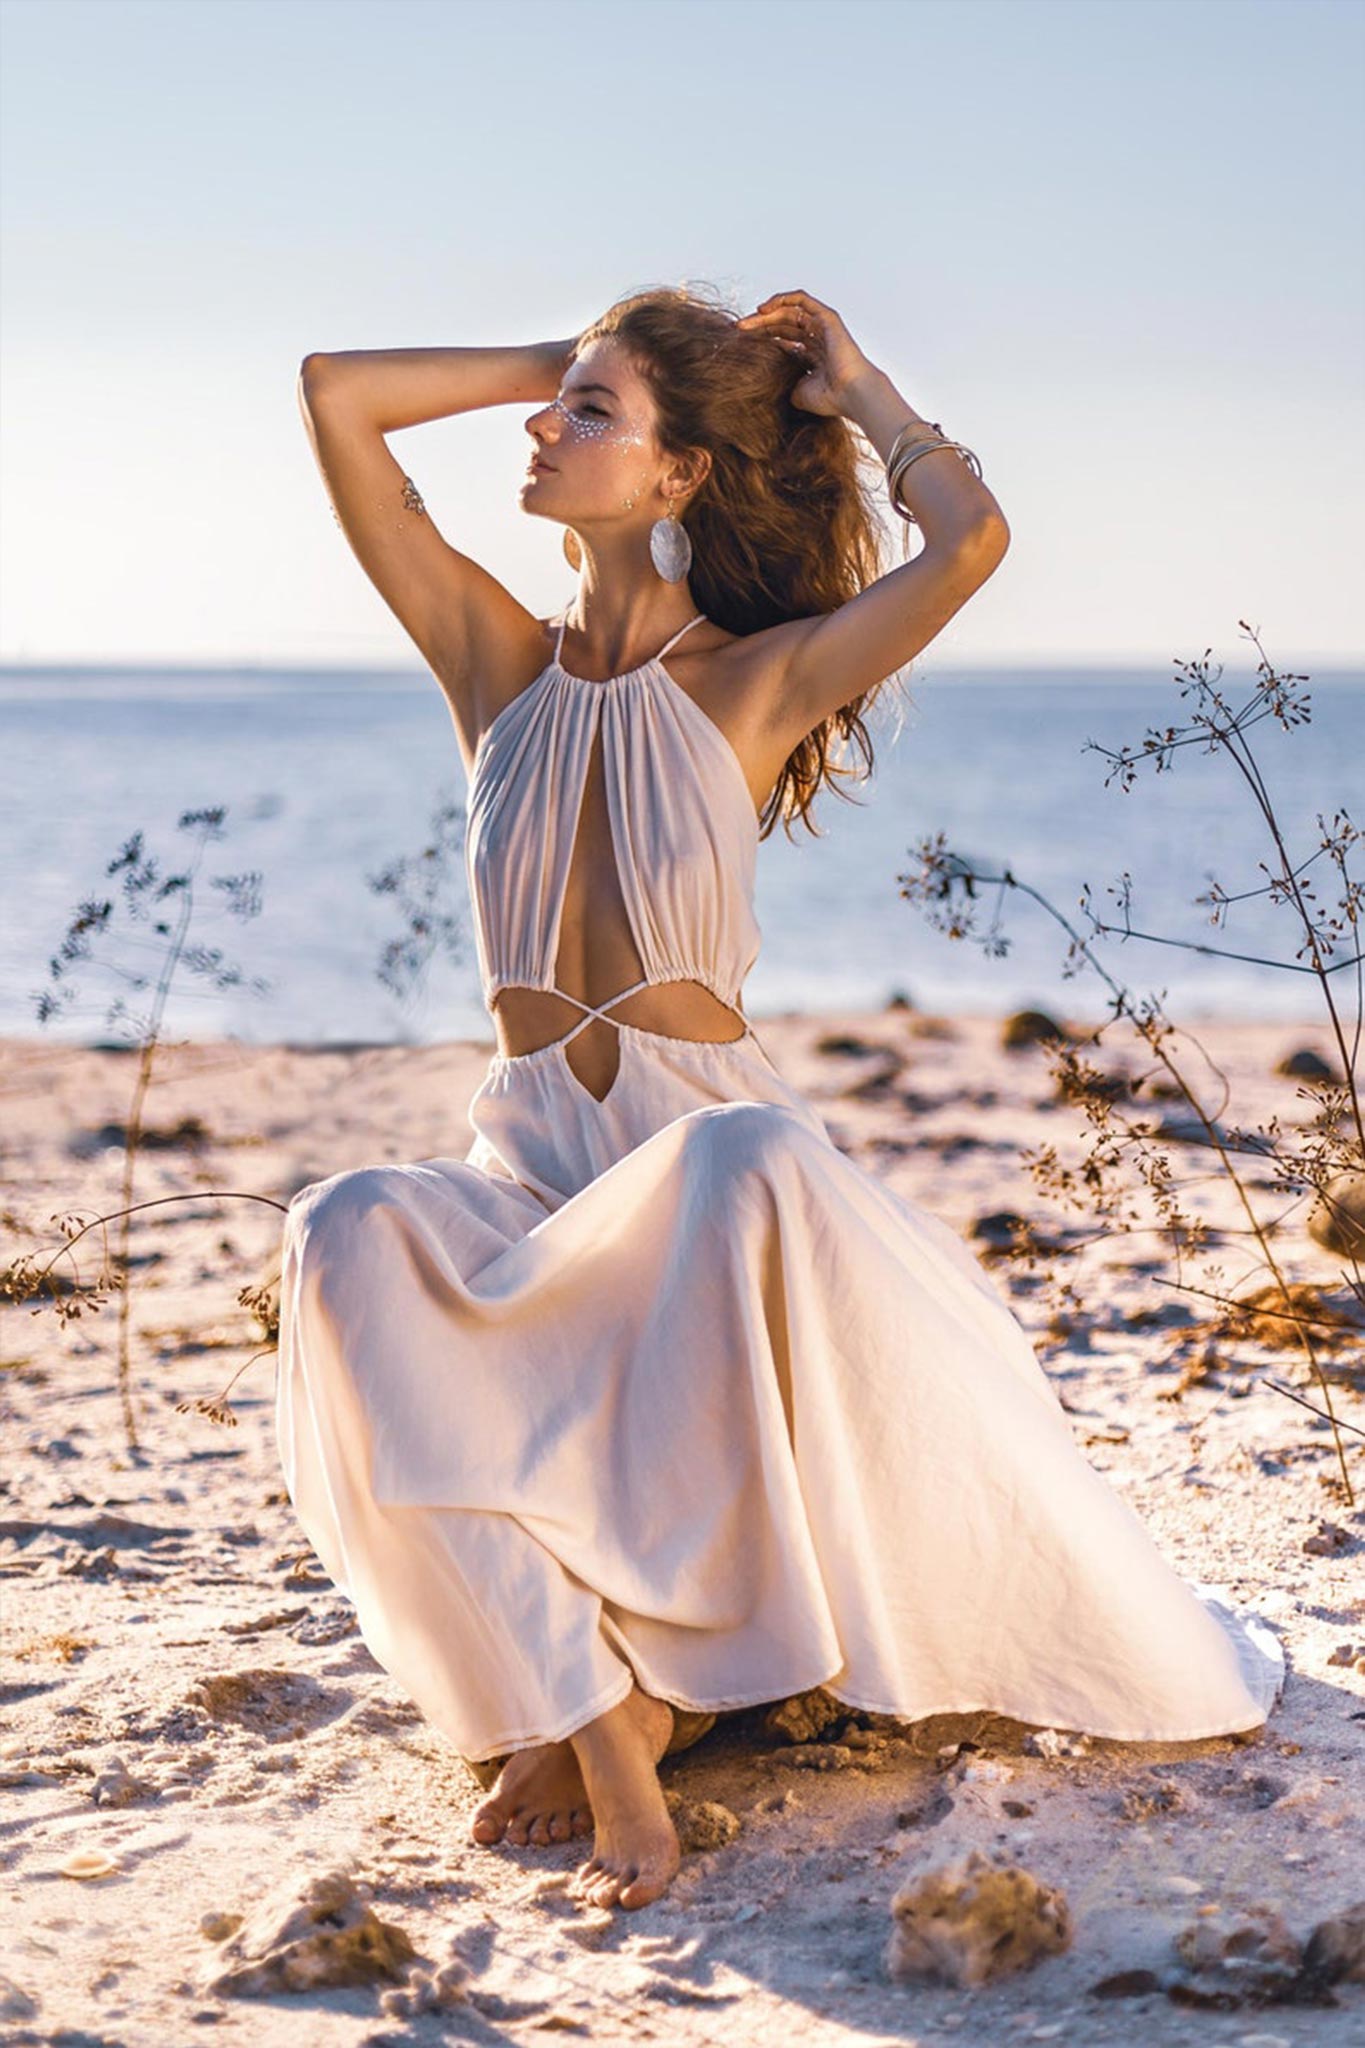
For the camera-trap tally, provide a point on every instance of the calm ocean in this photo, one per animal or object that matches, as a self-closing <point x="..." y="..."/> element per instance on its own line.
<point x="328" y="777"/>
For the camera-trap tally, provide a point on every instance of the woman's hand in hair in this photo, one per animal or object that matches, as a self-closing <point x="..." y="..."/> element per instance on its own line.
<point x="814" y="334"/>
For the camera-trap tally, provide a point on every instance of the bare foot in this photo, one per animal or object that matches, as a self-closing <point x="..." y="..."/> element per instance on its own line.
<point x="635" y="1844"/>
<point x="539" y="1798"/>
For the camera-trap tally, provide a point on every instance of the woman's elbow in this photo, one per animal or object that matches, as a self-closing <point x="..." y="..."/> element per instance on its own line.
<point x="312" y="370"/>
<point x="988" y="542"/>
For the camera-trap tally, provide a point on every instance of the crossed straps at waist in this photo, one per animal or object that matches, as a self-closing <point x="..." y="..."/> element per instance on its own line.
<point x="594" y="1010"/>
<point x="600" y="1009"/>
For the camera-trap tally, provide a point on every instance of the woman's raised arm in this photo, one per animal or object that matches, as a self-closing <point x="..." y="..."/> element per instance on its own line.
<point x="407" y="387"/>
<point x="467" y="627"/>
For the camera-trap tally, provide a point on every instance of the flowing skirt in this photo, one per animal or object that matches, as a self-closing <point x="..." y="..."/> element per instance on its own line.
<point x="666" y="1388"/>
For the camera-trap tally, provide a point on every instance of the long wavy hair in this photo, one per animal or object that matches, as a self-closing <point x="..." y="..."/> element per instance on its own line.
<point x="785" y="525"/>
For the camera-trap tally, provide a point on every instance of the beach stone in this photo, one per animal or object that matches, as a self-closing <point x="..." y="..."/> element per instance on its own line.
<point x="704" y="1824"/>
<point x="15" y="2003"/>
<point x="876" y="1086"/>
<point x="804" y="1716"/>
<point x="818" y="1756"/>
<point x="428" y="1990"/>
<point x="1030" y="1027"/>
<point x="846" y="1043"/>
<point x="309" y="1933"/>
<point x="116" y="1785"/>
<point x="974" y="1920"/>
<point x="1057" y="1742"/>
<point x="1335" y="1951"/>
<point x="1338" y="1223"/>
<point x="1307" y="1065"/>
<point x="267" y="1702"/>
<point x="1256" y="1951"/>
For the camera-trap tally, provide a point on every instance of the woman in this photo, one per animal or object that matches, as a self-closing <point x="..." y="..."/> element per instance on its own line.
<point x="654" y="1404"/>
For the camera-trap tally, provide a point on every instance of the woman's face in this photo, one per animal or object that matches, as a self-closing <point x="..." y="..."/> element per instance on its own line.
<point x="596" y="457"/>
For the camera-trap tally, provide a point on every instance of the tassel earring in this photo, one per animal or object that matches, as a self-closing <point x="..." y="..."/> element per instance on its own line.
<point x="670" y="547"/>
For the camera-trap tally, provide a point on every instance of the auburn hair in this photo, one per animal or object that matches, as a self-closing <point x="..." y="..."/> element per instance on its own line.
<point x="785" y="525"/>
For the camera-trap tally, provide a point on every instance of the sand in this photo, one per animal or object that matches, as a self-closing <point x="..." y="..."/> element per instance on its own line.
<point x="187" y="1702"/>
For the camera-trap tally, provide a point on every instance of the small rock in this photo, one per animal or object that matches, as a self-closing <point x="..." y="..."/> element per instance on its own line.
<point x="1142" y="1802"/>
<point x="219" y="1926"/>
<point x="1257" y="1951"/>
<point x="1055" y="1742"/>
<point x="428" y="1991"/>
<point x="974" y="1920"/>
<point x="1347" y="1653"/>
<point x="1335" y="1951"/>
<point x="819" y="1756"/>
<point x="15" y="2003"/>
<point x="1001" y="1231"/>
<point x="308" y="1933"/>
<point x="1337" y="1219"/>
<point x="989" y="1771"/>
<point x="1307" y="1065"/>
<point x="1127" y="1984"/>
<point x="804" y="1716"/>
<point x="116" y="1786"/>
<point x="1328" y="1540"/>
<point x="1030" y="1027"/>
<point x="704" y="1824"/>
<point x="85" y="1564"/>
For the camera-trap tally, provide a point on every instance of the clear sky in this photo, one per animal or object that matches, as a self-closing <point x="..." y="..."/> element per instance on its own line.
<point x="1115" y="246"/>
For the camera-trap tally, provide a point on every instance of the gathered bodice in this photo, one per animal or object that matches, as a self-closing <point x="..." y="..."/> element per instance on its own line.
<point x="683" y="827"/>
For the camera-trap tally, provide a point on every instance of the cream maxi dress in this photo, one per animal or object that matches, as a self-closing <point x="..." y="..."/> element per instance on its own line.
<point x="664" y="1386"/>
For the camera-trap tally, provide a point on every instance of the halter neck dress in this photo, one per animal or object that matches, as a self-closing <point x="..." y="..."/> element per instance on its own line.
<point x="664" y="1387"/>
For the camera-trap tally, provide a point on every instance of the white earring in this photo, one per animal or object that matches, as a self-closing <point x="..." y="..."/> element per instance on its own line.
<point x="670" y="547"/>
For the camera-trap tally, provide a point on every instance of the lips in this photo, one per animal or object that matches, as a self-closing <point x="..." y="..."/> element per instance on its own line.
<point x="535" y="465"/>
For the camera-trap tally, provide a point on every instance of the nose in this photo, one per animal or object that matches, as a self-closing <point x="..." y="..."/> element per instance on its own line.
<point x="543" y="426"/>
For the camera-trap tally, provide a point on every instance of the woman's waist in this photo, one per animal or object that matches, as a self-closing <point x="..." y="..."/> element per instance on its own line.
<point x="681" y="1006"/>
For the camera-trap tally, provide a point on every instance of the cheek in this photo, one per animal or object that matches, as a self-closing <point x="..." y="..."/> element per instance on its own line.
<point x="612" y="434"/>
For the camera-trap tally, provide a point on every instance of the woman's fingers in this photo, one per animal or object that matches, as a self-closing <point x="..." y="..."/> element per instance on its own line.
<point x="795" y="298"/>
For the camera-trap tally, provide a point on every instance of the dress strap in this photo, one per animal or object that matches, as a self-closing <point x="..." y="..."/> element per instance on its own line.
<point x="595" y="1011"/>
<point x="559" y="643"/>
<point x="696" y="616"/>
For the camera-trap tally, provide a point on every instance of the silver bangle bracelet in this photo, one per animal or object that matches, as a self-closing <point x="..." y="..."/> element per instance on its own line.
<point x="931" y="427"/>
<point x="912" y="455"/>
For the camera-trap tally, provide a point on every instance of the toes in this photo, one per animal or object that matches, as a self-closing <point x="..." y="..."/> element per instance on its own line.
<point x="488" y="1823"/>
<point x="607" y="1889"/>
<point x="640" y="1890"/>
<point x="582" y="1820"/>
<point x="560" y="1827"/>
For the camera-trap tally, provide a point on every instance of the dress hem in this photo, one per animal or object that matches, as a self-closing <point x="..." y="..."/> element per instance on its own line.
<point x="578" y="1720"/>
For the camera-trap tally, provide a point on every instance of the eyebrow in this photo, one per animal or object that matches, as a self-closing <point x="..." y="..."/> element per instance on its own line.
<point x="596" y="387"/>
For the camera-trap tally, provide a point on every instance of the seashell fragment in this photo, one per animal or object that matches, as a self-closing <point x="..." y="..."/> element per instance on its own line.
<point x="90" y="1863"/>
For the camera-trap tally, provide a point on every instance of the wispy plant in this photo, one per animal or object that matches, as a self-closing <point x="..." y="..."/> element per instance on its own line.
<point x="152" y="916"/>
<point x="1126" y="1173"/>
<point x="143" y="938"/>
<point x="423" y="886"/>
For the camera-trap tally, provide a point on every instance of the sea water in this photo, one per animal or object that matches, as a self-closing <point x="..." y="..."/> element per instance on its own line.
<point x="327" y="778"/>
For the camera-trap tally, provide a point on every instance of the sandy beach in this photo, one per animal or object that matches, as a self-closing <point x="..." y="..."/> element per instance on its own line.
<point x="187" y="1704"/>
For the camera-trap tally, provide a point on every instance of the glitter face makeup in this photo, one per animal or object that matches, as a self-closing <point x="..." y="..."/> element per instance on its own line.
<point x="591" y="423"/>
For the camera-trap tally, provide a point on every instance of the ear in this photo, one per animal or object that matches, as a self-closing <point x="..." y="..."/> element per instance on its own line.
<point x="690" y="473"/>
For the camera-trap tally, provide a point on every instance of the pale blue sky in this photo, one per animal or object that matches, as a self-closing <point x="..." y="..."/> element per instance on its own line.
<point x="1116" y="246"/>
